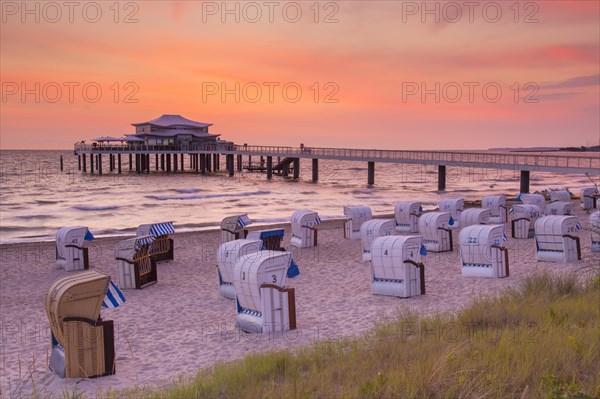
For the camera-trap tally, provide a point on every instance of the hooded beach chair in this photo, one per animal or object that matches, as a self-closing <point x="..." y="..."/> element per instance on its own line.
<point x="497" y="206"/>
<point x="227" y="255"/>
<point x="271" y="241"/>
<point x="560" y="208"/>
<point x="135" y="266"/>
<point x="589" y="197"/>
<point x="407" y="216"/>
<point x="523" y="222"/>
<point x="304" y="229"/>
<point x="482" y="251"/>
<point x="559" y="195"/>
<point x="473" y="216"/>
<point x="595" y="231"/>
<point x="534" y="199"/>
<point x="71" y="250"/>
<point x="355" y="215"/>
<point x="396" y="267"/>
<point x="454" y="206"/>
<point x="436" y="232"/>
<point x="82" y="344"/>
<point x="162" y="246"/>
<point x="372" y="229"/>
<point x="556" y="239"/>
<point x="264" y="304"/>
<point x="232" y="227"/>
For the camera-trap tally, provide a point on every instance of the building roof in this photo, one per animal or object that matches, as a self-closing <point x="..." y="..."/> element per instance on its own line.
<point x="173" y="121"/>
<point x="176" y="132"/>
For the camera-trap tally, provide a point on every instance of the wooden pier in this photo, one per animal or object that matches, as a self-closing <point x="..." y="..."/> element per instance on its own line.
<point x="206" y="158"/>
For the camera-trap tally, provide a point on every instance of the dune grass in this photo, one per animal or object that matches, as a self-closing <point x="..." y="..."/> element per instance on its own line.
<point x="540" y="340"/>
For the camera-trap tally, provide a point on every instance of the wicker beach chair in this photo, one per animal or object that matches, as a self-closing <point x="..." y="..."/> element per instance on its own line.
<point x="135" y="263"/>
<point x="162" y="246"/>
<point x="83" y="345"/>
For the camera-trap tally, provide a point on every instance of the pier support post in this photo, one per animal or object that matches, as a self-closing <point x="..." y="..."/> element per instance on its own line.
<point x="174" y="163"/>
<point x="239" y="162"/>
<point x="524" y="181"/>
<point x="61" y="163"/>
<point x="156" y="161"/>
<point x="92" y="163"/>
<point x="162" y="162"/>
<point x="371" y="173"/>
<point x="168" y="163"/>
<point x="137" y="163"/>
<point x="269" y="168"/>
<point x="203" y="164"/>
<point x="130" y="162"/>
<point x="285" y="170"/>
<point x="181" y="162"/>
<point x="230" y="164"/>
<point x="110" y="162"/>
<point x="79" y="161"/>
<point x="216" y="162"/>
<point x="315" y="170"/>
<point x="147" y="163"/>
<point x="296" y="168"/>
<point x="441" y="177"/>
<point x="208" y="162"/>
<point x="119" y="163"/>
<point x="84" y="163"/>
<point x="100" y="164"/>
<point x="97" y="157"/>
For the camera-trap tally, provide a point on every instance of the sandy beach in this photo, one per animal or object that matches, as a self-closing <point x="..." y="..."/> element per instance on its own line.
<point x="181" y="324"/>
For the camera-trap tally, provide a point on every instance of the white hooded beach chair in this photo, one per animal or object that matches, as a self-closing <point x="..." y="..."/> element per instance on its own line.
<point x="82" y="344"/>
<point x="523" y="222"/>
<point x="271" y="241"/>
<point x="473" y="216"/>
<point x="556" y="239"/>
<point x="135" y="266"/>
<point x="534" y="199"/>
<point x="71" y="250"/>
<point x="454" y="206"/>
<point x="595" y="231"/>
<point x="372" y="229"/>
<point x="560" y="208"/>
<point x="435" y="229"/>
<point x="355" y="217"/>
<point x="396" y="267"/>
<point x="264" y="304"/>
<point x="232" y="227"/>
<point x="589" y="197"/>
<point x="304" y="229"/>
<point x="162" y="246"/>
<point x="559" y="195"/>
<point x="227" y="255"/>
<point x="482" y="251"/>
<point x="497" y="206"/>
<point x="407" y="215"/>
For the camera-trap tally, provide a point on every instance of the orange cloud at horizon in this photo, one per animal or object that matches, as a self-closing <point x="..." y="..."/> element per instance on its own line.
<point x="379" y="77"/>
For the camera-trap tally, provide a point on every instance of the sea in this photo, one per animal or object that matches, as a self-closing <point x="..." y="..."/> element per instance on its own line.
<point x="37" y="198"/>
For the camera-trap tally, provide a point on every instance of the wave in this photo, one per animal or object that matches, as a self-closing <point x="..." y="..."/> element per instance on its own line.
<point x="190" y="190"/>
<point x="96" y="207"/>
<point x="29" y="217"/>
<point x="205" y="196"/>
<point x="46" y="202"/>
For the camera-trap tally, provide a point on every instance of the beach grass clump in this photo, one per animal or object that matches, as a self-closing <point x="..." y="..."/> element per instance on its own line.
<point x="539" y="340"/>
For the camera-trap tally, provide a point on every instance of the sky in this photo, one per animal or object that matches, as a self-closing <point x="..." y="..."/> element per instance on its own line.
<point x="380" y="74"/>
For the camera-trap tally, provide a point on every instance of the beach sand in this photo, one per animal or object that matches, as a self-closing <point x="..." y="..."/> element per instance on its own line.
<point x="181" y="324"/>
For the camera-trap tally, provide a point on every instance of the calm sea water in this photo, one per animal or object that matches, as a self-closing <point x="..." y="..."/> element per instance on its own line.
<point x="37" y="198"/>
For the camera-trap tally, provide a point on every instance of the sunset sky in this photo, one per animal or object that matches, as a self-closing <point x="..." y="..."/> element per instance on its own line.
<point x="339" y="74"/>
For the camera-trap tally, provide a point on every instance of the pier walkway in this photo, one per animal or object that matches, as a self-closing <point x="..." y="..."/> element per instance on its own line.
<point x="200" y="159"/>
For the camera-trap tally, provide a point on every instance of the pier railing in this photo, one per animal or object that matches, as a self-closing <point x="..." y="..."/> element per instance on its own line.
<point x="543" y="162"/>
